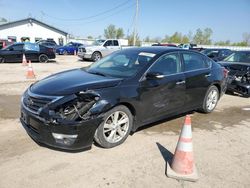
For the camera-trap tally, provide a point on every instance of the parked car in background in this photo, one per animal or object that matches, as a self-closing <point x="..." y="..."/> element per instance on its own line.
<point x="238" y="65"/>
<point x="100" y="48"/>
<point x="118" y="94"/>
<point x="49" y="43"/>
<point x="68" y="49"/>
<point x="164" y="44"/>
<point x="32" y="51"/>
<point x="190" y="46"/>
<point x="217" y="54"/>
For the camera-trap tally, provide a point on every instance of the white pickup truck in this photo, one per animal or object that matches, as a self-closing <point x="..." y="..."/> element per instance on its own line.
<point x="99" y="49"/>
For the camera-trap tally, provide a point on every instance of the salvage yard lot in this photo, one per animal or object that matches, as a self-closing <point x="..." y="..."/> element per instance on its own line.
<point x="221" y="145"/>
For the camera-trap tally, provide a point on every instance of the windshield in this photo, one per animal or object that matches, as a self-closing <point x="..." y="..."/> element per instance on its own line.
<point x="243" y="57"/>
<point x="121" y="64"/>
<point x="6" y="47"/>
<point x="69" y="44"/>
<point x="98" y="42"/>
<point x="208" y="51"/>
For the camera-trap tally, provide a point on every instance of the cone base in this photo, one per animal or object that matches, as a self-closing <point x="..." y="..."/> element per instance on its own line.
<point x="31" y="77"/>
<point x="190" y="177"/>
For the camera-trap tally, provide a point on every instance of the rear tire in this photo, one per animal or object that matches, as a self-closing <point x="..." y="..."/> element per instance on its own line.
<point x="43" y="58"/>
<point x="211" y="99"/>
<point x="115" y="128"/>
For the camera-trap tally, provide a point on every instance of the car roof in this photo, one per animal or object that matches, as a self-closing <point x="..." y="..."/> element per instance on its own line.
<point x="154" y="49"/>
<point x="216" y="49"/>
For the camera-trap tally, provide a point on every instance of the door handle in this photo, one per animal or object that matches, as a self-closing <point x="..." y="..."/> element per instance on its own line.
<point x="181" y="82"/>
<point x="208" y="75"/>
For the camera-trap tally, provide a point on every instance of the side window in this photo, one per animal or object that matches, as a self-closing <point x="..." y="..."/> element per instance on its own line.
<point x="115" y="43"/>
<point x="18" y="47"/>
<point x="108" y="43"/>
<point x="167" y="64"/>
<point x="193" y="61"/>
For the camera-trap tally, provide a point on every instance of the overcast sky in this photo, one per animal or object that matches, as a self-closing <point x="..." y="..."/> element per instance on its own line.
<point x="227" y="18"/>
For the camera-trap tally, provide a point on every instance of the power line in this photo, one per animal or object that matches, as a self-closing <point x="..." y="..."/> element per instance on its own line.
<point x="103" y="18"/>
<point x="89" y="17"/>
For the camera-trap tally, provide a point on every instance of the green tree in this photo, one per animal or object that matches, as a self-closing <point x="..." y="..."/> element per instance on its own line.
<point x="243" y="43"/>
<point x="119" y="33"/>
<point x="223" y="43"/>
<point x="246" y="38"/>
<point x="89" y="37"/>
<point x="166" y="39"/>
<point x="176" y="37"/>
<point x="185" y="39"/>
<point x="147" y="39"/>
<point x="131" y="40"/>
<point x="203" y="37"/>
<point x="198" y="37"/>
<point x="110" y="32"/>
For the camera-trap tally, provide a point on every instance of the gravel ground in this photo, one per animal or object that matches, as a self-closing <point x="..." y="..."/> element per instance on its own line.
<point x="220" y="139"/>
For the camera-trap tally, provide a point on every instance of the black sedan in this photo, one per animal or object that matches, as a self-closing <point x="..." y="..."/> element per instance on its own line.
<point x="217" y="54"/>
<point x="118" y="94"/>
<point x="32" y="51"/>
<point x="238" y="65"/>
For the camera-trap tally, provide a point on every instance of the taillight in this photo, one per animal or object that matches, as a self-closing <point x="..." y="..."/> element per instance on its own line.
<point x="50" y="50"/>
<point x="225" y="72"/>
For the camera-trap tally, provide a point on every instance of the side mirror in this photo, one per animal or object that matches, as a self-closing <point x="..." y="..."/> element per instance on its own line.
<point x="154" y="76"/>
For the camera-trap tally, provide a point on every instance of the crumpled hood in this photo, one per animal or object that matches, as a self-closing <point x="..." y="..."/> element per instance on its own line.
<point x="235" y="65"/>
<point x="232" y="63"/>
<point x="72" y="81"/>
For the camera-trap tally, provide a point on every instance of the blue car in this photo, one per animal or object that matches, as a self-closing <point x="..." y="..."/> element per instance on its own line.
<point x="68" y="49"/>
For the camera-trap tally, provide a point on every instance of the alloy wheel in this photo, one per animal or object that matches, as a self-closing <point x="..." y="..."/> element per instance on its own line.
<point x="212" y="100"/>
<point x="116" y="127"/>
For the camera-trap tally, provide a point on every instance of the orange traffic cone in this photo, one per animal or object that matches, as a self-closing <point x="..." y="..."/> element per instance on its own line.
<point x="30" y="73"/>
<point x="24" y="62"/>
<point x="182" y="166"/>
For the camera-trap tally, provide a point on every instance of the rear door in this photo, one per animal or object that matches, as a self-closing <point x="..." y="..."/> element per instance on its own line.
<point x="159" y="97"/>
<point x="31" y="51"/>
<point x="198" y="77"/>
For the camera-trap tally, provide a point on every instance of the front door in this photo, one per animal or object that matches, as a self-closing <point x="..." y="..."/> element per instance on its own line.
<point x="13" y="53"/>
<point x="166" y="94"/>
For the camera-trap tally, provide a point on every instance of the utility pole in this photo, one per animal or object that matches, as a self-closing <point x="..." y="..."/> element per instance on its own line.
<point x="136" y="22"/>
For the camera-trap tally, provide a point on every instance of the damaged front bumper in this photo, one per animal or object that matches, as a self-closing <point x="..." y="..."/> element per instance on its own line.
<point x="239" y="82"/>
<point x="46" y="127"/>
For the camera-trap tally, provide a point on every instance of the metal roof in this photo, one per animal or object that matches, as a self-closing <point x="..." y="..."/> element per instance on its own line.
<point x="30" y="20"/>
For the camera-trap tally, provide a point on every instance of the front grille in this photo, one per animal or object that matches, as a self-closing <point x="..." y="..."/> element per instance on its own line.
<point x="33" y="103"/>
<point x="82" y="50"/>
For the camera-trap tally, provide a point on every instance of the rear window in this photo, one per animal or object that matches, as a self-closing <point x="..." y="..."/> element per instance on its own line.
<point x="193" y="61"/>
<point x="31" y="47"/>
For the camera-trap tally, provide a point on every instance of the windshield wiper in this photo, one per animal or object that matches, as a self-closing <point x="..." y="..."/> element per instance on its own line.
<point x="97" y="73"/>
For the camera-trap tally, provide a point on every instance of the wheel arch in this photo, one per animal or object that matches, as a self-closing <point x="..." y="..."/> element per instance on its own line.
<point x="218" y="87"/>
<point x="98" y="52"/>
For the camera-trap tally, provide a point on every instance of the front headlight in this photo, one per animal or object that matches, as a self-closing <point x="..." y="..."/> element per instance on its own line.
<point x="89" y="50"/>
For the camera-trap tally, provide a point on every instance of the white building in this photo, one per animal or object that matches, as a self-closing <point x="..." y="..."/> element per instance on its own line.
<point x="31" y="30"/>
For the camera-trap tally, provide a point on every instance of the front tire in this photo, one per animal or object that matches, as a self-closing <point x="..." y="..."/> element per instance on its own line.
<point x="211" y="99"/>
<point x="115" y="128"/>
<point x="2" y="60"/>
<point x="96" y="56"/>
<point x="43" y="58"/>
<point x="65" y="52"/>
